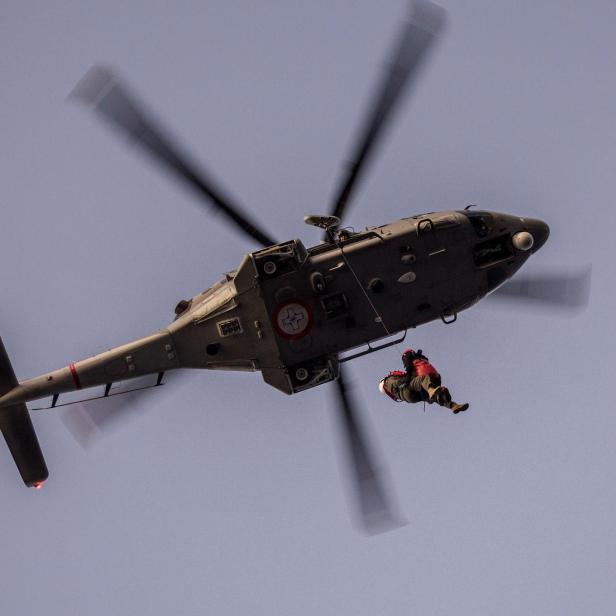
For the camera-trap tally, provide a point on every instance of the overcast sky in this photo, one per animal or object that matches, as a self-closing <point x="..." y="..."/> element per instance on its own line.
<point x="223" y="496"/>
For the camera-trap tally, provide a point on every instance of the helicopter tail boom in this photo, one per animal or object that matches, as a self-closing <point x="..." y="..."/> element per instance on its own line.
<point x="18" y="431"/>
<point x="153" y="354"/>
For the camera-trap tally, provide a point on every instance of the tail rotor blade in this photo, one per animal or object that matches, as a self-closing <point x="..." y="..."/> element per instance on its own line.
<point x="368" y="481"/>
<point x="89" y="420"/>
<point x="416" y="38"/>
<point x="101" y="89"/>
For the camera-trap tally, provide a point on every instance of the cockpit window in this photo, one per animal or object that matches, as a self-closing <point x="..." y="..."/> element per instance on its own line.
<point x="493" y="251"/>
<point x="481" y="221"/>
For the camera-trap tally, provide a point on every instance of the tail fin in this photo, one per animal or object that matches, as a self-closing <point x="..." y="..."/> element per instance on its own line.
<point x="18" y="431"/>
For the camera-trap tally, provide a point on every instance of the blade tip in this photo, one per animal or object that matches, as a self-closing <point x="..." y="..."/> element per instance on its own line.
<point x="90" y="88"/>
<point x="428" y="16"/>
<point x="382" y="523"/>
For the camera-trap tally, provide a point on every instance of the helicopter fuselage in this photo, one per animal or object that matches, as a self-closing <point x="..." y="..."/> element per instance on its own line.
<point x="293" y="312"/>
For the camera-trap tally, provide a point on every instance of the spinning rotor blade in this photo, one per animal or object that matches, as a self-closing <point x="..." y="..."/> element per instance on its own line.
<point x="89" y="420"/>
<point x="102" y="89"/>
<point x="375" y="512"/>
<point x="416" y="38"/>
<point x="567" y="291"/>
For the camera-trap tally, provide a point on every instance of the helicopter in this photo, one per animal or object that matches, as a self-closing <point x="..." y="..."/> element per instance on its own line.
<point x="297" y="314"/>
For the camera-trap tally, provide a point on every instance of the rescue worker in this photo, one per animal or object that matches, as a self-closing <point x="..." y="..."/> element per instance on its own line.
<point x="420" y="381"/>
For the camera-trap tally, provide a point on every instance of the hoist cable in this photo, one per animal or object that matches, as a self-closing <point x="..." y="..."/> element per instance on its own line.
<point x="379" y="318"/>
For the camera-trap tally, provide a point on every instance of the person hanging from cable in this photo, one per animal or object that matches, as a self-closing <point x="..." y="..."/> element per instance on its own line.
<point x="419" y="382"/>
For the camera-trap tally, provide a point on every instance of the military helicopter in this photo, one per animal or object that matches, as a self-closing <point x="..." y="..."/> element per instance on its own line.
<point x="297" y="314"/>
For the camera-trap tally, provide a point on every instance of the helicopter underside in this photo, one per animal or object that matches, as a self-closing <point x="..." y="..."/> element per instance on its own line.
<point x="291" y="312"/>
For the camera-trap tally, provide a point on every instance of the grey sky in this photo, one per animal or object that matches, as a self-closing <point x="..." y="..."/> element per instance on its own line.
<point x="224" y="496"/>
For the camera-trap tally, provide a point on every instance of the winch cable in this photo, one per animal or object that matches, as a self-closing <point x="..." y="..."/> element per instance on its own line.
<point x="379" y="317"/>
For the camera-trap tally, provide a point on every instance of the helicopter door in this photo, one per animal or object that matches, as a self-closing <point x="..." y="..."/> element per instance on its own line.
<point x="436" y="239"/>
<point x="440" y="255"/>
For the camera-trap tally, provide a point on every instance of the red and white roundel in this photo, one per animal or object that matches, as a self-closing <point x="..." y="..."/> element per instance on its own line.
<point x="293" y="319"/>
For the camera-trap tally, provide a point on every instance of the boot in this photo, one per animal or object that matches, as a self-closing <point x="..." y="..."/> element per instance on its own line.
<point x="458" y="408"/>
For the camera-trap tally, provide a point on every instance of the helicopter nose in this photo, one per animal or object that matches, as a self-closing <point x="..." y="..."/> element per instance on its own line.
<point x="539" y="230"/>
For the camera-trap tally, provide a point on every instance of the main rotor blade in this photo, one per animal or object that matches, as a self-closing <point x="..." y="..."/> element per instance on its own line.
<point x="109" y="97"/>
<point x="564" y="290"/>
<point x="415" y="39"/>
<point x="374" y="508"/>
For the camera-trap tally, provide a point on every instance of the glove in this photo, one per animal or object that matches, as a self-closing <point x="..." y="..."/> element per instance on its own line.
<point x="407" y="359"/>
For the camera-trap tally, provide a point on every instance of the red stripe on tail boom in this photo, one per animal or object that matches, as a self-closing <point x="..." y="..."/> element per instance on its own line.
<point x="76" y="380"/>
